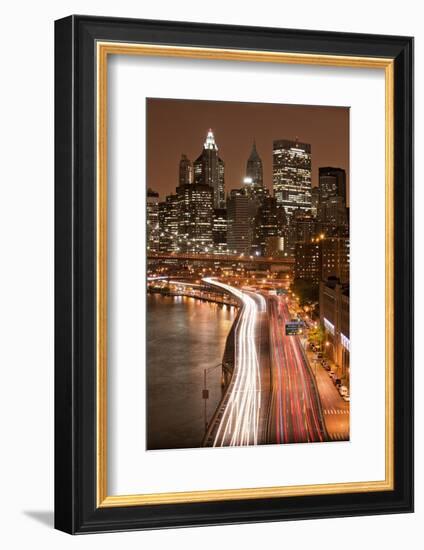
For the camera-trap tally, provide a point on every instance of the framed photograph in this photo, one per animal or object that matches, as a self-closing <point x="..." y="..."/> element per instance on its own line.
<point x="234" y="274"/>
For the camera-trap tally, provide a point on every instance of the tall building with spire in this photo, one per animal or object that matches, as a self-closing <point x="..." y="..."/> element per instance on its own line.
<point x="254" y="170"/>
<point x="209" y="170"/>
<point x="253" y="185"/>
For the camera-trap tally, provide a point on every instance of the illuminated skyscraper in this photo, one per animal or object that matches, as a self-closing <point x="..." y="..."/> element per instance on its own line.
<point x="152" y="215"/>
<point x="219" y="230"/>
<point x="209" y="170"/>
<point x="168" y="224"/>
<point x="195" y="218"/>
<point x="291" y="175"/>
<point x="185" y="171"/>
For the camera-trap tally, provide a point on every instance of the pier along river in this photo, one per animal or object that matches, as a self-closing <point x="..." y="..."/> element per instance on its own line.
<point x="184" y="336"/>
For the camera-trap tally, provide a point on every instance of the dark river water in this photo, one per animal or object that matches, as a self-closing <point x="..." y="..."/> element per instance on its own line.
<point x="184" y="337"/>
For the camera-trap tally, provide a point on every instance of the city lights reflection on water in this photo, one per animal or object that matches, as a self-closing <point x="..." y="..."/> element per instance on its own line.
<point x="184" y="337"/>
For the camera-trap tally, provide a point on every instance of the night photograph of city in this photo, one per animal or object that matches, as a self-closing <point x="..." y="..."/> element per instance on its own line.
<point x="247" y="247"/>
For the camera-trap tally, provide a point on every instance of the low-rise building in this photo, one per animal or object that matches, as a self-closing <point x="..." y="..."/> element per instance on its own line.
<point x="334" y="318"/>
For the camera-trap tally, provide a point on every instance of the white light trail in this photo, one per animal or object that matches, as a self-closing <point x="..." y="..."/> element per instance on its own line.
<point x="239" y="424"/>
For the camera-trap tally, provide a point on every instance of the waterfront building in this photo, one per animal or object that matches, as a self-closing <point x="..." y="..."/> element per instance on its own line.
<point x="291" y="176"/>
<point x="152" y="221"/>
<point x="208" y="169"/>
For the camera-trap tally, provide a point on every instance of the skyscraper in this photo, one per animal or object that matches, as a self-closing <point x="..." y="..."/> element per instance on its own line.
<point x="152" y="226"/>
<point x="209" y="170"/>
<point x="332" y="211"/>
<point x="315" y="201"/>
<point x="332" y="182"/>
<point x="253" y="182"/>
<point x="195" y="217"/>
<point x="185" y="171"/>
<point x="304" y="225"/>
<point x="240" y="222"/>
<point x="291" y="175"/>
<point x="168" y="224"/>
<point x="219" y="230"/>
<point x="266" y="225"/>
<point x="254" y="170"/>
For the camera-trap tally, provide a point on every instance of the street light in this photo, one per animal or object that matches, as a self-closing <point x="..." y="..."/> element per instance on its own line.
<point x="205" y="391"/>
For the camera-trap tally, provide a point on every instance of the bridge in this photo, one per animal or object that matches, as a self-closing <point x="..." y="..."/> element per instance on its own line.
<point x="222" y="258"/>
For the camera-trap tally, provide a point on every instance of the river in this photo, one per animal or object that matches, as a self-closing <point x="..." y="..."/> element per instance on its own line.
<point x="184" y="336"/>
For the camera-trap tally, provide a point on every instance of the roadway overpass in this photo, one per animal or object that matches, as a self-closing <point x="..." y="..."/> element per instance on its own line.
<point x="283" y="263"/>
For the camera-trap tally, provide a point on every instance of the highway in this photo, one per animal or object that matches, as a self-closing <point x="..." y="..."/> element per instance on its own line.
<point x="242" y="419"/>
<point x="296" y="415"/>
<point x="272" y="396"/>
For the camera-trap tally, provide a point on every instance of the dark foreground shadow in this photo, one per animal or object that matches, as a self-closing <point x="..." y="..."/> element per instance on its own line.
<point x="46" y="517"/>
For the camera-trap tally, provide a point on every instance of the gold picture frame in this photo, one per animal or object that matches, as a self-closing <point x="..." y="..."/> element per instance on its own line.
<point x="106" y="49"/>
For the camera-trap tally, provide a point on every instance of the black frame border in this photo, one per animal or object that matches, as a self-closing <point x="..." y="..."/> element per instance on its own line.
<point x="75" y="274"/>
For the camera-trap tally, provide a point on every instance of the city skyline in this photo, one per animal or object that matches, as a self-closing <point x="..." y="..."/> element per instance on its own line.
<point x="176" y="127"/>
<point x="248" y="279"/>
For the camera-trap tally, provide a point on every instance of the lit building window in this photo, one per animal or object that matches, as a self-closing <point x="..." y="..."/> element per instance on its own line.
<point x="328" y="326"/>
